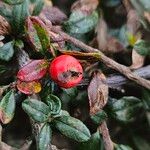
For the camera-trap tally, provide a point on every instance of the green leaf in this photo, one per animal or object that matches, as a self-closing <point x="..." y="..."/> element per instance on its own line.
<point x="19" y="14"/>
<point x="71" y="92"/>
<point x="80" y="22"/>
<point x="6" y="13"/>
<point x="7" y="107"/>
<point x="99" y="117"/>
<point x="37" y="34"/>
<point x="95" y="143"/>
<point x="122" y="147"/>
<point x="146" y="99"/>
<point x="124" y="109"/>
<point x="44" y="137"/>
<point x="112" y="3"/>
<point x="37" y="110"/>
<point x="38" y="7"/>
<point x="72" y="128"/>
<point x="6" y="51"/>
<point x="13" y="2"/>
<point x="142" y="47"/>
<point x="54" y="104"/>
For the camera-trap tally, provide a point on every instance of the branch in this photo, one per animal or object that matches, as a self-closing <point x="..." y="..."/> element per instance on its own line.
<point x="116" y="81"/>
<point x="104" y="59"/>
<point x="108" y="144"/>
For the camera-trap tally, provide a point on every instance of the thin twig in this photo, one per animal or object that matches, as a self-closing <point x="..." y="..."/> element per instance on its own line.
<point x="104" y="59"/>
<point x="116" y="81"/>
<point x="108" y="144"/>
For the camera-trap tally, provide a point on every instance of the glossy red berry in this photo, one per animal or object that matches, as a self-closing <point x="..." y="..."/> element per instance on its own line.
<point x="66" y="71"/>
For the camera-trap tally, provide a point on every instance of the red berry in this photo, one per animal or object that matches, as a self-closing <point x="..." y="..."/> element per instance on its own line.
<point x="66" y="71"/>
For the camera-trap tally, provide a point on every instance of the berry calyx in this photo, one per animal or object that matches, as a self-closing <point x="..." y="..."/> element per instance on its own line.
<point x="66" y="71"/>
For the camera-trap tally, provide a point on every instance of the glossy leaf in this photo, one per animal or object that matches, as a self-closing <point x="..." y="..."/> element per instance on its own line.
<point x="6" y="51"/>
<point x="19" y="14"/>
<point x="37" y="34"/>
<point x="44" y="137"/>
<point x="13" y="2"/>
<point x="38" y="7"/>
<point x="95" y="143"/>
<point x="79" y="22"/>
<point x="54" y="104"/>
<point x="72" y="128"/>
<point x="124" y="109"/>
<point x="37" y="110"/>
<point x="142" y="47"/>
<point x="29" y="87"/>
<point x="34" y="70"/>
<point x="7" y="107"/>
<point x="99" y="117"/>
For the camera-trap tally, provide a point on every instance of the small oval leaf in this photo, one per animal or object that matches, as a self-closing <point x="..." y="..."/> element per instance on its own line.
<point x="7" y="107"/>
<point x="34" y="70"/>
<point x="29" y="87"/>
<point x="54" y="104"/>
<point x="37" y="110"/>
<point x="37" y="34"/>
<point x="6" y="51"/>
<point x="72" y="128"/>
<point x="44" y="137"/>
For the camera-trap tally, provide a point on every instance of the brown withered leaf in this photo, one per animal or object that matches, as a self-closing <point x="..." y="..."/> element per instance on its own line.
<point x="53" y="14"/>
<point x="133" y="22"/>
<point x="147" y="16"/>
<point x="137" y="60"/>
<point x="4" y="26"/>
<point x="114" y="46"/>
<point x="102" y="34"/>
<point x="85" y="5"/>
<point x="107" y="43"/>
<point x="97" y="93"/>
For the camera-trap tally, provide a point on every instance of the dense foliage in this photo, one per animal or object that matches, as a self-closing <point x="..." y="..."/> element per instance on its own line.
<point x="105" y="110"/>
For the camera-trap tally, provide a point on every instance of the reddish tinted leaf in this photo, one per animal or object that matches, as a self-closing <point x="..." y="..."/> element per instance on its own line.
<point x="37" y="34"/>
<point x="29" y="87"/>
<point x="53" y="14"/>
<point x="34" y="70"/>
<point x="97" y="93"/>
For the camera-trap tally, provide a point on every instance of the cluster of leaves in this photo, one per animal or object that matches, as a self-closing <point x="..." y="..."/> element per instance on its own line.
<point x="30" y="32"/>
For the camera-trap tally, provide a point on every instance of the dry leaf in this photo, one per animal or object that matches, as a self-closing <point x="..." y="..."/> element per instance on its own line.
<point x="81" y="55"/>
<point x="97" y="93"/>
<point x="85" y="5"/>
<point x="53" y="14"/>
<point x="4" y="26"/>
<point x="137" y="60"/>
<point x="102" y="34"/>
<point x="147" y="16"/>
<point x="48" y="2"/>
<point x="114" y="46"/>
<point x="133" y="22"/>
<point x="107" y="43"/>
